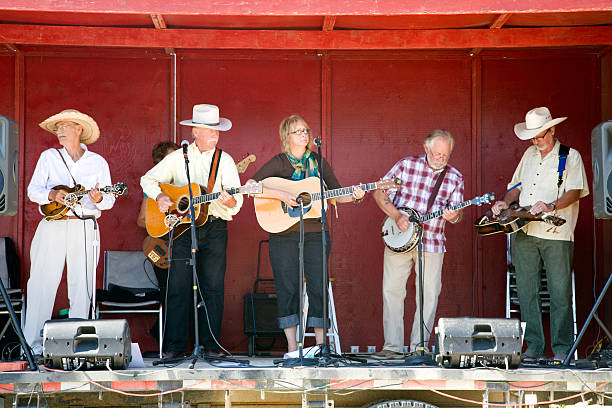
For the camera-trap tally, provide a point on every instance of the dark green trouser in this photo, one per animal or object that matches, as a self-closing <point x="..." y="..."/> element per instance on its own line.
<point x="530" y="253"/>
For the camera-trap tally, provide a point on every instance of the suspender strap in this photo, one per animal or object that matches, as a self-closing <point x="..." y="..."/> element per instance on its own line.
<point x="563" y="152"/>
<point x="434" y="192"/>
<point x="214" y="169"/>
<point x="65" y="164"/>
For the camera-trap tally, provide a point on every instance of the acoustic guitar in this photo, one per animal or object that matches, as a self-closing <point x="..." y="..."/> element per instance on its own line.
<point x="156" y="248"/>
<point x="404" y="241"/>
<point x="56" y="211"/>
<point x="512" y="219"/>
<point x="275" y="216"/>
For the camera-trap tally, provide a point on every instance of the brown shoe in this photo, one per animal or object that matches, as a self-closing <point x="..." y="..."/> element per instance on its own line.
<point x="173" y="355"/>
<point x="388" y="355"/>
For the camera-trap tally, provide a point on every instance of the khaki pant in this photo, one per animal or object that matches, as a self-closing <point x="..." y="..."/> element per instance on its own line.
<point x="397" y="270"/>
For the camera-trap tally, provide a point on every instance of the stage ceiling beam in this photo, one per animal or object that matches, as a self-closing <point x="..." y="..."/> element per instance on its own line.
<point x="306" y="40"/>
<point x="160" y="23"/>
<point x="495" y="25"/>
<point x="306" y="7"/>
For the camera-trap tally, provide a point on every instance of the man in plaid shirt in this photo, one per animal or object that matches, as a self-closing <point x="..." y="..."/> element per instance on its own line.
<point x="418" y="175"/>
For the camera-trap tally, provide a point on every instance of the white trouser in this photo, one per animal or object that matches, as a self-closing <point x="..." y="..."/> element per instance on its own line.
<point x="57" y="244"/>
<point x="397" y="270"/>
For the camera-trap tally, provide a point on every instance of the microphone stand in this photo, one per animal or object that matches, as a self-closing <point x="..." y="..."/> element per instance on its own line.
<point x="420" y="359"/>
<point x="300" y="360"/>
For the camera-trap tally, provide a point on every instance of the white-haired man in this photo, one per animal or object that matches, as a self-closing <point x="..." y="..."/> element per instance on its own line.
<point x="419" y="176"/>
<point x="67" y="241"/>
<point x="212" y="236"/>
<point x="541" y="188"/>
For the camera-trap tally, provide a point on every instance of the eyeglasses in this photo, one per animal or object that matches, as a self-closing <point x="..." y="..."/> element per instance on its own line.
<point x="301" y="132"/>
<point x="535" y="139"/>
<point x="439" y="156"/>
<point x="64" y="126"/>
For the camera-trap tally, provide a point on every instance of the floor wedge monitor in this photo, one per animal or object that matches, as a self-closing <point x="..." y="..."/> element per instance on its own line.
<point x="77" y="343"/>
<point x="475" y="342"/>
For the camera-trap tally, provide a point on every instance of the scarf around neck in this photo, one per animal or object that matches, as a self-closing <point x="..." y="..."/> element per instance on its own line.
<point x="304" y="167"/>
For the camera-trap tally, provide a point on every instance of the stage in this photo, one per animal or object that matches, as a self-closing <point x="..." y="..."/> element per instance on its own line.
<point x="260" y="383"/>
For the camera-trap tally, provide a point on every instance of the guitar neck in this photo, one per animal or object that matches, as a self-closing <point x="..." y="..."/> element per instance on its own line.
<point x="205" y="198"/>
<point x="344" y="191"/>
<point x="82" y="193"/>
<point x="438" y="213"/>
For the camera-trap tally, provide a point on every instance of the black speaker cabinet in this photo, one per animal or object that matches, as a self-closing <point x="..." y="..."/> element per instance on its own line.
<point x="9" y="141"/>
<point x="601" y="149"/>
<point x="260" y="312"/>
<point x="73" y="343"/>
<point x="471" y="342"/>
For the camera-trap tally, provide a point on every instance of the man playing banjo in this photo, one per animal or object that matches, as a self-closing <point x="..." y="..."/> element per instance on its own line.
<point x="428" y="184"/>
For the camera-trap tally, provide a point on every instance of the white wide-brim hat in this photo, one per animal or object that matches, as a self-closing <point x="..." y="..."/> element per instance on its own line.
<point x="90" y="133"/>
<point x="207" y="116"/>
<point x="536" y="120"/>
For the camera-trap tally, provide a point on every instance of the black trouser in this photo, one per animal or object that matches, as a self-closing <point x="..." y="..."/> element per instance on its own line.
<point x="284" y="258"/>
<point x="210" y="267"/>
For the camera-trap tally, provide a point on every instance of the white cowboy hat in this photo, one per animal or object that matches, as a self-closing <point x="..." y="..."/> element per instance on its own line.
<point x="90" y="133"/>
<point x="207" y="116"/>
<point x="536" y="120"/>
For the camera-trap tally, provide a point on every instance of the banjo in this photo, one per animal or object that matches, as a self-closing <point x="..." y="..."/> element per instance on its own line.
<point x="404" y="241"/>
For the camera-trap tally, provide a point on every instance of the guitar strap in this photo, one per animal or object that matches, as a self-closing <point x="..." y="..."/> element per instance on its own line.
<point x="65" y="164"/>
<point x="563" y="152"/>
<point x="434" y="192"/>
<point x="214" y="169"/>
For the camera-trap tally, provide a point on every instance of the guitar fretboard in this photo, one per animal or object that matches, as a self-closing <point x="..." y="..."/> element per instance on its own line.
<point x="344" y="191"/>
<point x="205" y="198"/>
<point x="82" y="193"/>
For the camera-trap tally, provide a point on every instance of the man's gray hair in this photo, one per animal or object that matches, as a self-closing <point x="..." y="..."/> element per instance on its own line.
<point x="439" y="134"/>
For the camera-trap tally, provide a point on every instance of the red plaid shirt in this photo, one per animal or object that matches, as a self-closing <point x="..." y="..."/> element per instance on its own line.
<point x="418" y="180"/>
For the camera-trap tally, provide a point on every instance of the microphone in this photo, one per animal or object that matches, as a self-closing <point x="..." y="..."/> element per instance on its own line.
<point x="317" y="141"/>
<point x="185" y="145"/>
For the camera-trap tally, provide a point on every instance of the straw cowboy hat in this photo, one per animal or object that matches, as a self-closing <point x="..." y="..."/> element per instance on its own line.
<point x="536" y="120"/>
<point x="207" y="116"/>
<point x="90" y="133"/>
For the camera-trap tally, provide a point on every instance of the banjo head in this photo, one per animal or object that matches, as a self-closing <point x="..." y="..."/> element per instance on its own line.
<point x="397" y="240"/>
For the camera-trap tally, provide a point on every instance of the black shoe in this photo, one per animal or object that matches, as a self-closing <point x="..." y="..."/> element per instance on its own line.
<point x="214" y="354"/>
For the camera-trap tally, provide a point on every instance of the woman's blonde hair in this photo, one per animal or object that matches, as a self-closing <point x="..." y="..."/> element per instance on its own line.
<point x="285" y="129"/>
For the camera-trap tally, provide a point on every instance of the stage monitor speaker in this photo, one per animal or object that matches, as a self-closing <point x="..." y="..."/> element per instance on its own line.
<point x="260" y="314"/>
<point x="9" y="141"/>
<point x="73" y="343"/>
<point x="472" y="342"/>
<point x="601" y="152"/>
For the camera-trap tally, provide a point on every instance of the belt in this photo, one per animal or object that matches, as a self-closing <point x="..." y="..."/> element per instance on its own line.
<point x="69" y="217"/>
<point x="212" y="218"/>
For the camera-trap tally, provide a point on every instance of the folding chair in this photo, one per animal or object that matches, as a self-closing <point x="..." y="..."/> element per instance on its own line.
<point x="130" y="286"/>
<point x="9" y="273"/>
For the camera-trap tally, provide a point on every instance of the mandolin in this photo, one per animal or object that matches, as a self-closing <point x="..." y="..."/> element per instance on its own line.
<point x="56" y="211"/>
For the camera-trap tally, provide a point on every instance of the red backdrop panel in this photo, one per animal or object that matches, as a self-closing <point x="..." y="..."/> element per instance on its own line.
<point x="382" y="110"/>
<point x="128" y="98"/>
<point x="511" y="87"/>
<point x="255" y="95"/>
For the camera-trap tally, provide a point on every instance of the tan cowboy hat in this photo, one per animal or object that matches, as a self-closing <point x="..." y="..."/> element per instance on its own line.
<point x="536" y="120"/>
<point x="90" y="133"/>
<point x="207" y="116"/>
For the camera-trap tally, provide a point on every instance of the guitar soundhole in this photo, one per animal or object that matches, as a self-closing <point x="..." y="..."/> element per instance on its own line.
<point x="183" y="204"/>
<point x="305" y="198"/>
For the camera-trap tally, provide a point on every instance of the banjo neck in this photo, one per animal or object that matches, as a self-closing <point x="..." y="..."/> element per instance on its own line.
<point x="344" y="191"/>
<point x="438" y="213"/>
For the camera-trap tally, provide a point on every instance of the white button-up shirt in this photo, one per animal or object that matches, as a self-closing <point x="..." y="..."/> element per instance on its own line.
<point x="171" y="170"/>
<point x="539" y="177"/>
<point x="89" y="169"/>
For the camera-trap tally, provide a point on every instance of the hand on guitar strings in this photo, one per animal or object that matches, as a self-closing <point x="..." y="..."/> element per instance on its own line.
<point x="163" y="202"/>
<point x="227" y="199"/>
<point x="498" y="207"/>
<point x="58" y="196"/>
<point x="541" y="207"/>
<point x="450" y="215"/>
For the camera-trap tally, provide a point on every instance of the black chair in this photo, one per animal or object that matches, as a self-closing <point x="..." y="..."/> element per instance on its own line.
<point x="130" y="287"/>
<point x="9" y="273"/>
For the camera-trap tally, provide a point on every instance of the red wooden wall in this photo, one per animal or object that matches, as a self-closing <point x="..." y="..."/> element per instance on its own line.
<point x="372" y="109"/>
